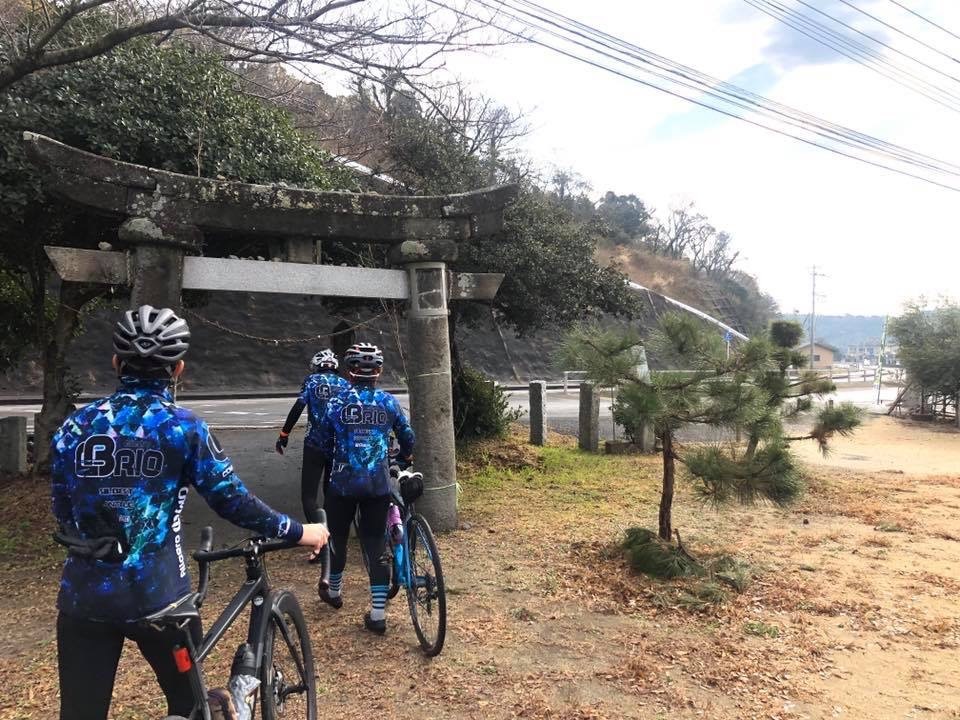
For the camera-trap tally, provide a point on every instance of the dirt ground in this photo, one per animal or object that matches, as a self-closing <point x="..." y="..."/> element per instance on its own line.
<point x="851" y="611"/>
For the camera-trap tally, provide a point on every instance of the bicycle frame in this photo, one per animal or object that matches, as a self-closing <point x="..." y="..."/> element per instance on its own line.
<point x="255" y="592"/>
<point x="401" y="554"/>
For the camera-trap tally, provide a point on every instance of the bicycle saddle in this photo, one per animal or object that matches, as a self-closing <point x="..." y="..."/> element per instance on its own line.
<point x="183" y="609"/>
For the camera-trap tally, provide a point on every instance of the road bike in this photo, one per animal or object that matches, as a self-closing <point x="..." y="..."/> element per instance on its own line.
<point x="413" y="561"/>
<point x="277" y="651"/>
<point x="415" y="566"/>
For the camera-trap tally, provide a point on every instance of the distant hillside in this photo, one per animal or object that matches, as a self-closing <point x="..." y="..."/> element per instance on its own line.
<point x="842" y="331"/>
<point x="735" y="300"/>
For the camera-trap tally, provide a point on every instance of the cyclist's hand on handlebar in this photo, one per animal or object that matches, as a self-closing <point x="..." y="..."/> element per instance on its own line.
<point x="282" y="442"/>
<point x="315" y="535"/>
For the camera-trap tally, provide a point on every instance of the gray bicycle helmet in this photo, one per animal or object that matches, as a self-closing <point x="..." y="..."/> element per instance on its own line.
<point x="324" y="360"/>
<point x="150" y="337"/>
<point x="364" y="360"/>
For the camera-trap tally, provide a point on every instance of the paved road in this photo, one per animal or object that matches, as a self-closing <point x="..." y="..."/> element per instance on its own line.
<point x="562" y="409"/>
<point x="277" y="479"/>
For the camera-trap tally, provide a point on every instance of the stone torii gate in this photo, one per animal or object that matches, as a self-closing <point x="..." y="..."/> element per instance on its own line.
<point x="164" y="217"/>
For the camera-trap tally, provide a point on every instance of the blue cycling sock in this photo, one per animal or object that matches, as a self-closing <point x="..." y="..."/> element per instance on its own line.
<point x="378" y="602"/>
<point x="336" y="583"/>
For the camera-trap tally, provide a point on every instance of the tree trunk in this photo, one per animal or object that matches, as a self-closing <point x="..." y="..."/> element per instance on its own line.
<point x="752" y="443"/>
<point x="456" y="372"/>
<point x="666" y="495"/>
<point x="58" y="396"/>
<point x="456" y="362"/>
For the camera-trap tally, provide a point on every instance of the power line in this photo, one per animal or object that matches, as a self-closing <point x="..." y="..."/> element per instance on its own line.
<point x="925" y="19"/>
<point x="846" y="137"/>
<point x="898" y="30"/>
<point x="885" y="44"/>
<point x="708" y="85"/>
<point x="858" y="52"/>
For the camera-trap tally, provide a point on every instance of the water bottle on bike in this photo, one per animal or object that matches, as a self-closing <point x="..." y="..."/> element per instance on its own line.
<point x="395" y="524"/>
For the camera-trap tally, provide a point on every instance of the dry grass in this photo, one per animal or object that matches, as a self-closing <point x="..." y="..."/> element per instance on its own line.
<point x="664" y="275"/>
<point x="548" y="621"/>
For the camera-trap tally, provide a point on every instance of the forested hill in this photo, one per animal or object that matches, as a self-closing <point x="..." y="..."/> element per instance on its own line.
<point x="844" y="330"/>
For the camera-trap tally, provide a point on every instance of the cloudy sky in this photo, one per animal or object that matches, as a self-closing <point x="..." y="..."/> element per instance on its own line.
<point x="879" y="237"/>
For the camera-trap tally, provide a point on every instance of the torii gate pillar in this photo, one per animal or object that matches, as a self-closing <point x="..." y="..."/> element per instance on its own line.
<point x="157" y="260"/>
<point x="428" y="374"/>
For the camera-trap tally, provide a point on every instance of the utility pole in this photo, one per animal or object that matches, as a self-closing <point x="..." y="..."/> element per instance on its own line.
<point x="813" y="311"/>
<point x="883" y="350"/>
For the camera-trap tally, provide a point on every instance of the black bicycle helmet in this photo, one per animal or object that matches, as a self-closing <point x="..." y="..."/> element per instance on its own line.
<point x="150" y="337"/>
<point x="324" y="360"/>
<point x="364" y="360"/>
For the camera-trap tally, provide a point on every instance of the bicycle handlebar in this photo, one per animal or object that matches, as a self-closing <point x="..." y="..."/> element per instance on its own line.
<point x="253" y="546"/>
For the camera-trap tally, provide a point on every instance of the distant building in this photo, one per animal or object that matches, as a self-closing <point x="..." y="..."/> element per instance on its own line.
<point x="824" y="355"/>
<point x="868" y="353"/>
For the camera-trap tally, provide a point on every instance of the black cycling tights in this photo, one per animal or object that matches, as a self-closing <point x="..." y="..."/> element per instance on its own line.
<point x="314" y="471"/>
<point x="88" y="653"/>
<point x="372" y="528"/>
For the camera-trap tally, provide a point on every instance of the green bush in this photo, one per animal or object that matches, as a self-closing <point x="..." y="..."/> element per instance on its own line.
<point x="633" y="406"/>
<point x="650" y="555"/>
<point x="480" y="407"/>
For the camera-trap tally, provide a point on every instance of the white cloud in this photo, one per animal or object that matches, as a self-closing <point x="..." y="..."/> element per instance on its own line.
<point x="882" y="238"/>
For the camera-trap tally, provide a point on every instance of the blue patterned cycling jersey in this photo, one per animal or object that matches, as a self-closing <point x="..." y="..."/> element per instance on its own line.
<point x="356" y="433"/>
<point x="316" y="392"/>
<point x="122" y="467"/>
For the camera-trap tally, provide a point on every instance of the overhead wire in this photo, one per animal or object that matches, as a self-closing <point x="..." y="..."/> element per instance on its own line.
<point x="785" y="112"/>
<point x="858" y="52"/>
<point x="898" y="30"/>
<point x="885" y="44"/>
<point x="848" y="141"/>
<point x="925" y="19"/>
<point x="901" y="155"/>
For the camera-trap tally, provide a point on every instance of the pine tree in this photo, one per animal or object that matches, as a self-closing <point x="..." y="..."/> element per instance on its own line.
<point x="745" y="389"/>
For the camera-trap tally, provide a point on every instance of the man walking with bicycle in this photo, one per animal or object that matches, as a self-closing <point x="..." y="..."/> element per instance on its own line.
<point x="121" y="472"/>
<point x="355" y="432"/>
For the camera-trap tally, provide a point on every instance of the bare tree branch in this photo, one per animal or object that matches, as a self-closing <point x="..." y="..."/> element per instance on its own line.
<point x="345" y="35"/>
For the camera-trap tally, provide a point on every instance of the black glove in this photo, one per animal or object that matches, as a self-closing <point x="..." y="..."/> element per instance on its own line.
<point x="282" y="442"/>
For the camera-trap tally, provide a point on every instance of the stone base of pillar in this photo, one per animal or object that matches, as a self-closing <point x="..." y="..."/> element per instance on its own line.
<point x="538" y="412"/>
<point x="13" y="444"/>
<point x="589" y="431"/>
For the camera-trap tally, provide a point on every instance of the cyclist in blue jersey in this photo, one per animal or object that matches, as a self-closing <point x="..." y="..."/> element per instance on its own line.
<point x="322" y="384"/>
<point x="355" y="432"/>
<point x="121" y="472"/>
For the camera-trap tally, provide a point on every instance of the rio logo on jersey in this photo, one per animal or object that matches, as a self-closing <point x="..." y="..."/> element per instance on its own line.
<point x="98" y="457"/>
<point x="356" y="414"/>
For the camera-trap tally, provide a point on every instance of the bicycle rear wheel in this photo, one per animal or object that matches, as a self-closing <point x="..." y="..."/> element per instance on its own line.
<point x="287" y="681"/>
<point x="426" y="594"/>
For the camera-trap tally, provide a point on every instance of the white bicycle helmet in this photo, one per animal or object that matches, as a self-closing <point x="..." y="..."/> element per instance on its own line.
<point x="364" y="360"/>
<point x="150" y="337"/>
<point x="324" y="360"/>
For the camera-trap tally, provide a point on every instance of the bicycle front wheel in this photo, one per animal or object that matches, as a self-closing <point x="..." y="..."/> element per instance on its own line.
<point x="287" y="681"/>
<point x="426" y="594"/>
